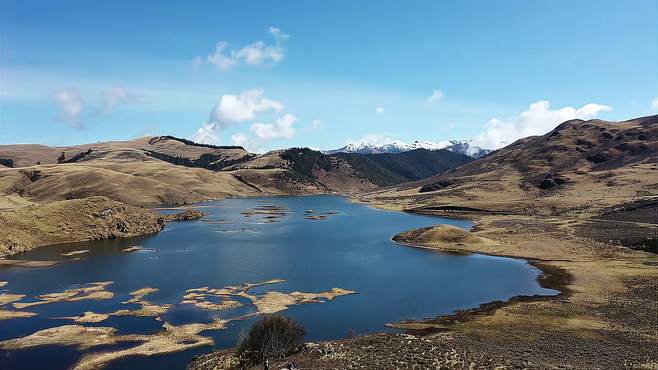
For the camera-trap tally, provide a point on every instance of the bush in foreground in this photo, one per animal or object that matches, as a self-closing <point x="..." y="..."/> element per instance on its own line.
<point x="271" y="337"/>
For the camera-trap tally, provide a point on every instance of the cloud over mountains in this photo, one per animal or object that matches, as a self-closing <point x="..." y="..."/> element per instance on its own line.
<point x="538" y="119"/>
<point x="232" y="109"/>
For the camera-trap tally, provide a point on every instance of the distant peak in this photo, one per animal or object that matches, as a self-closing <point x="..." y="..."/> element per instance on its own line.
<point x="398" y="146"/>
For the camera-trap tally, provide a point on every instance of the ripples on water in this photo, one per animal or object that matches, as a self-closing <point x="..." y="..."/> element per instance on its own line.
<point x="314" y="243"/>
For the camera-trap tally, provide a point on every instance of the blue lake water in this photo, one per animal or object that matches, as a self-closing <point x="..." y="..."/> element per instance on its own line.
<point x="350" y="248"/>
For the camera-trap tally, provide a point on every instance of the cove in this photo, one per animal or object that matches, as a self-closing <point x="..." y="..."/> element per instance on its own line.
<point x="311" y="243"/>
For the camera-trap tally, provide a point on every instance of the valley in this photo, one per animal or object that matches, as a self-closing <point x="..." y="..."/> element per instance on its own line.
<point x="578" y="203"/>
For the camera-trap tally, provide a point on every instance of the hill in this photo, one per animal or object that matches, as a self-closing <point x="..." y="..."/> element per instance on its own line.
<point x="170" y="170"/>
<point x="59" y="222"/>
<point x="603" y="172"/>
<point x="389" y="169"/>
<point x="125" y="171"/>
<point x="351" y="172"/>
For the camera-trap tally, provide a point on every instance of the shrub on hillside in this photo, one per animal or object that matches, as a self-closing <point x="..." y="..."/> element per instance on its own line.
<point x="271" y="337"/>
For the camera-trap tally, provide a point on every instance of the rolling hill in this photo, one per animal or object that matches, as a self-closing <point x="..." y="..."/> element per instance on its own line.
<point x="580" y="166"/>
<point x="170" y="170"/>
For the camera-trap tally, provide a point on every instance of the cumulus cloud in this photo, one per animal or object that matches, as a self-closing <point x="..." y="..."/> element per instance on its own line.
<point x="251" y="144"/>
<point x="232" y="109"/>
<point x="259" y="53"/>
<point x="380" y="110"/>
<point x="238" y="108"/>
<point x="239" y="139"/>
<point x="224" y="57"/>
<point x="435" y="97"/>
<point x="113" y="97"/>
<point x="538" y="119"/>
<point x="206" y="134"/>
<point x="282" y="128"/>
<point x="70" y="107"/>
<point x="654" y="104"/>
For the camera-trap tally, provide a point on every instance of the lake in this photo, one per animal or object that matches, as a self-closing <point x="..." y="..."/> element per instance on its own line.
<point x="314" y="243"/>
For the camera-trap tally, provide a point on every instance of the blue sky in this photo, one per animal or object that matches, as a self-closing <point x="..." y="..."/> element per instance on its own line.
<point x="320" y="74"/>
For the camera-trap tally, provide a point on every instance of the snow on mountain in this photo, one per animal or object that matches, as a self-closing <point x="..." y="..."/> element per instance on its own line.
<point x="465" y="147"/>
<point x="397" y="146"/>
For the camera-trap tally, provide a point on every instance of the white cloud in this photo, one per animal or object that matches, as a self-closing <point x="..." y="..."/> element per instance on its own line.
<point x="250" y="144"/>
<point x="257" y="53"/>
<point x="238" y="108"/>
<point x="316" y="124"/>
<point x="70" y="107"/>
<point x="233" y="109"/>
<point x="380" y="110"/>
<point x="278" y="34"/>
<point x="282" y="128"/>
<point x="206" y="134"/>
<point x="239" y="139"/>
<point x="537" y="120"/>
<point x="114" y="96"/>
<point x="654" y="104"/>
<point x="435" y="97"/>
<point x="222" y="62"/>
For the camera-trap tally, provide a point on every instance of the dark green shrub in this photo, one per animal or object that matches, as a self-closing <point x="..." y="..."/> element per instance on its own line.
<point x="271" y="337"/>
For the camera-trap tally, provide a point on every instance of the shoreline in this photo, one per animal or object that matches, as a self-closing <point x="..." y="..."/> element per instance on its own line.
<point x="558" y="279"/>
<point x="585" y="272"/>
<point x="550" y="277"/>
<point x="602" y="317"/>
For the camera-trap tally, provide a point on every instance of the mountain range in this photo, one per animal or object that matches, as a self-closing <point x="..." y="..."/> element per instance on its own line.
<point x="579" y="161"/>
<point x="457" y="146"/>
<point x="171" y="170"/>
<point x="576" y="168"/>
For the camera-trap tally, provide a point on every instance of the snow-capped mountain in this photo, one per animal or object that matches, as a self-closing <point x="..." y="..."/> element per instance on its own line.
<point x="397" y="146"/>
<point x="465" y="147"/>
<point x="367" y="148"/>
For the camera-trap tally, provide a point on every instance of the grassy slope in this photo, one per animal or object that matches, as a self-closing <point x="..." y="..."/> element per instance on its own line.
<point x="73" y="220"/>
<point x="390" y="169"/>
<point x="509" y="179"/>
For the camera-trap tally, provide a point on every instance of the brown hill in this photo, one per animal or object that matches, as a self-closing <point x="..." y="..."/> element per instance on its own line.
<point x="25" y="155"/>
<point x="170" y="170"/>
<point x="127" y="171"/>
<point x="355" y="173"/>
<point x="73" y="220"/>
<point x="580" y="166"/>
<point x="47" y="193"/>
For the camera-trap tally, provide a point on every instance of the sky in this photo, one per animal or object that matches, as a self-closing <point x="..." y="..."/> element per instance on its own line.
<point x="321" y="74"/>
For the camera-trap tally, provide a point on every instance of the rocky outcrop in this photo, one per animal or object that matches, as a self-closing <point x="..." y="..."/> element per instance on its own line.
<point x="440" y="237"/>
<point x="186" y="215"/>
<point x="73" y="220"/>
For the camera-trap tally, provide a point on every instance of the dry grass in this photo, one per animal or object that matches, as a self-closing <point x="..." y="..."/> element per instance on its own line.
<point x="73" y="220"/>
<point x="446" y="237"/>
